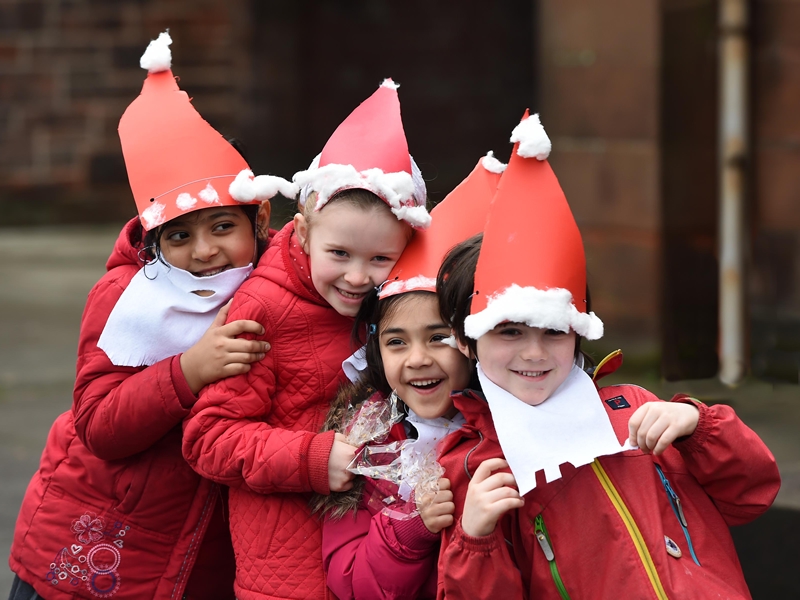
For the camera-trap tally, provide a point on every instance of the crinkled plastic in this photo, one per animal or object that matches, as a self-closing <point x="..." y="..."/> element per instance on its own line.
<point x="416" y="474"/>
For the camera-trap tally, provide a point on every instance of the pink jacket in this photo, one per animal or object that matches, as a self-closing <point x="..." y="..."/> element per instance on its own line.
<point x="257" y="432"/>
<point x="114" y="509"/>
<point x="611" y="529"/>
<point x="370" y="556"/>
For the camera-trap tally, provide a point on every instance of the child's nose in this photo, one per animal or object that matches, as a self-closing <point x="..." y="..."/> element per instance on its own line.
<point x="204" y="248"/>
<point x="534" y="350"/>
<point x="357" y="277"/>
<point x="418" y="356"/>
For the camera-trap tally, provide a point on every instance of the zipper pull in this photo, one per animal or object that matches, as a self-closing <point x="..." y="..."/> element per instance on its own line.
<point x="681" y="516"/>
<point x="542" y="538"/>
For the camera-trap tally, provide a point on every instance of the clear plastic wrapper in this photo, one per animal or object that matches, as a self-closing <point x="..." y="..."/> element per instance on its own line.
<point x="416" y="474"/>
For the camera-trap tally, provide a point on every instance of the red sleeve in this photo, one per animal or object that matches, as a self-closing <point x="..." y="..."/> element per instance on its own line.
<point x="476" y="567"/>
<point x="372" y="556"/>
<point x="120" y="411"/>
<point x="226" y="438"/>
<point x="731" y="463"/>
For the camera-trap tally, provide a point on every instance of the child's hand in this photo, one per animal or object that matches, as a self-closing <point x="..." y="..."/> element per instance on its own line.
<point x="655" y="425"/>
<point x="438" y="513"/>
<point x="220" y="354"/>
<point x="339" y="478"/>
<point x="489" y="496"/>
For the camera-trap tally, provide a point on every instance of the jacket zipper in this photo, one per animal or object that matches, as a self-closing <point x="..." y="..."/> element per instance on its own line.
<point x="544" y="541"/>
<point x="633" y="529"/>
<point x="677" y="508"/>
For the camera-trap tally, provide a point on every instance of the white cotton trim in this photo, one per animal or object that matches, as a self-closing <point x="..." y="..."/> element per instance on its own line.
<point x="245" y="188"/>
<point x="491" y="164"/>
<point x="548" y="309"/>
<point x="157" y="57"/>
<point x="209" y="195"/>
<point x="401" y="286"/>
<point x="153" y="215"/>
<point x="451" y="341"/>
<point x="533" y="141"/>
<point x="405" y="194"/>
<point x="388" y="83"/>
<point x="185" y="201"/>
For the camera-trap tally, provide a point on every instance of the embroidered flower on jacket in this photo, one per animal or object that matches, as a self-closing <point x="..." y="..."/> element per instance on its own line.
<point x="89" y="529"/>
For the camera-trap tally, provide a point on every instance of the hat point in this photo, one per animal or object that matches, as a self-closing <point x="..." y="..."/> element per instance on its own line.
<point x="531" y="138"/>
<point x="157" y="57"/>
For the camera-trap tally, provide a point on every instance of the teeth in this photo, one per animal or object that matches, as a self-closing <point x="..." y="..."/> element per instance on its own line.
<point x="349" y="294"/>
<point x="531" y="373"/>
<point x="424" y="382"/>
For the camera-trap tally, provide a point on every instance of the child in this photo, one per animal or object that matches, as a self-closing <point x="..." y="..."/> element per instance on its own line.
<point x="369" y="552"/>
<point x="257" y="432"/>
<point x="646" y="522"/>
<point x="114" y="509"/>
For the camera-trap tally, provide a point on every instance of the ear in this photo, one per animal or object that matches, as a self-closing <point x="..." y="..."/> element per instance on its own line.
<point x="301" y="229"/>
<point x="262" y="218"/>
<point x="463" y="348"/>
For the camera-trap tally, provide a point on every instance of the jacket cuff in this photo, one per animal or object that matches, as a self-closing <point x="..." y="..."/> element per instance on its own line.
<point x="483" y="544"/>
<point x="413" y="534"/>
<point x="182" y="389"/>
<point x="319" y="453"/>
<point x="695" y="441"/>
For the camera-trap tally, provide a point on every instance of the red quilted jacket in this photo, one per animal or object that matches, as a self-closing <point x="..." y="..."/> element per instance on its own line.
<point x="256" y="432"/>
<point x="114" y="510"/>
<point x="600" y="531"/>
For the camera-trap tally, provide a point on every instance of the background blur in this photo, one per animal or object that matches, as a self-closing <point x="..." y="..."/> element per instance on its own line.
<point x="627" y="90"/>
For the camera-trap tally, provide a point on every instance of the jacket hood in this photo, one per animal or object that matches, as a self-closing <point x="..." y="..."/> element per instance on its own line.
<point x="288" y="266"/>
<point x="126" y="248"/>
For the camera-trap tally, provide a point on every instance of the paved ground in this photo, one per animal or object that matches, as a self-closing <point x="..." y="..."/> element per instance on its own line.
<point x="45" y="275"/>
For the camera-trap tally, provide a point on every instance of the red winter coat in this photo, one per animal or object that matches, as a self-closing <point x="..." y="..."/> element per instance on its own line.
<point x="370" y="556"/>
<point x="256" y="432"/>
<point x="605" y="523"/>
<point x="114" y="510"/>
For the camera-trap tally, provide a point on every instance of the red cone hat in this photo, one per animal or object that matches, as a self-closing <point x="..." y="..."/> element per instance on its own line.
<point x="531" y="267"/>
<point x="176" y="161"/>
<point x="369" y="151"/>
<point x="458" y="217"/>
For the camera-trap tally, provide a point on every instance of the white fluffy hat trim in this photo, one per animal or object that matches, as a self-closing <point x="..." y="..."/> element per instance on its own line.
<point x="532" y="138"/>
<point x="246" y="188"/>
<point x="547" y="309"/>
<point x="157" y="57"/>
<point x="401" y="286"/>
<point x="404" y="193"/>
<point x="491" y="164"/>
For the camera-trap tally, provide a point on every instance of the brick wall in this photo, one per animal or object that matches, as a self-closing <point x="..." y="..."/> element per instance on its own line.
<point x="68" y="69"/>
<point x="599" y="103"/>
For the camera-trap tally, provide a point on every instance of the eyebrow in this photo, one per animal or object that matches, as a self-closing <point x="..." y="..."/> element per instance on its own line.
<point x="185" y="221"/>
<point x="431" y="327"/>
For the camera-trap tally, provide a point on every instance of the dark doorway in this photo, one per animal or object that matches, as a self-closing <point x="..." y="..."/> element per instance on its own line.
<point x="689" y="189"/>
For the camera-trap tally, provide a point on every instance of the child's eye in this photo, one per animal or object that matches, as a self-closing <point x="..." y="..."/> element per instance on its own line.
<point x="439" y="337"/>
<point x="339" y="253"/>
<point x="509" y="331"/>
<point x="394" y="342"/>
<point x="554" y="332"/>
<point x="177" y="236"/>
<point x="381" y="259"/>
<point x="224" y="226"/>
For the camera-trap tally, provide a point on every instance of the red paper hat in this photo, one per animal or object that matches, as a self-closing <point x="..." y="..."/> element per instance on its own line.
<point x="369" y="151"/>
<point x="459" y="216"/>
<point x="531" y="267"/>
<point x="176" y="161"/>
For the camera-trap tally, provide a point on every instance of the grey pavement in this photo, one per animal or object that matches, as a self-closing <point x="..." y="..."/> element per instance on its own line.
<point x="45" y="275"/>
